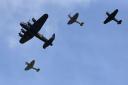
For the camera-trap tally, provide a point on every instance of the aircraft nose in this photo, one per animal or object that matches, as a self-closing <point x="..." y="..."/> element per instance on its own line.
<point x="21" y="23"/>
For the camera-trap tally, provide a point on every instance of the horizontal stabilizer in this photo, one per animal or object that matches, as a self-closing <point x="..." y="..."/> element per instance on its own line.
<point x="81" y="24"/>
<point x="119" y="22"/>
<point x="37" y="70"/>
<point x="49" y="42"/>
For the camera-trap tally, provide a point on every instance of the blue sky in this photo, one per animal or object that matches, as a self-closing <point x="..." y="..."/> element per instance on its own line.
<point x="95" y="54"/>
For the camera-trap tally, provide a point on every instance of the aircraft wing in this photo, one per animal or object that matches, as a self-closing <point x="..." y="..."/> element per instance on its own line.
<point x="26" y="37"/>
<point x="39" y="23"/>
<point x="76" y="16"/>
<point x="27" y="68"/>
<point x="107" y="20"/>
<point x="71" y="22"/>
<point x="32" y="63"/>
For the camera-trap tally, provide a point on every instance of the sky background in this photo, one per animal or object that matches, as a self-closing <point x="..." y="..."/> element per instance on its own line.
<point x="95" y="54"/>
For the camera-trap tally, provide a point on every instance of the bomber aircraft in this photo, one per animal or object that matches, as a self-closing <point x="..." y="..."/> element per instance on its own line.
<point x="29" y="30"/>
<point x="73" y="19"/>
<point x="30" y="66"/>
<point x="112" y="17"/>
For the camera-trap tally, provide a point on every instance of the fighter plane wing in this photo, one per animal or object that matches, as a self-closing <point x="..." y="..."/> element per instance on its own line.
<point x="107" y="20"/>
<point x="27" y="68"/>
<point x="26" y="37"/>
<point x="32" y="63"/>
<point x="70" y="22"/>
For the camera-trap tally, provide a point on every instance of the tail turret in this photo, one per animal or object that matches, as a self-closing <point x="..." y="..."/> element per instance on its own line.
<point x="49" y="42"/>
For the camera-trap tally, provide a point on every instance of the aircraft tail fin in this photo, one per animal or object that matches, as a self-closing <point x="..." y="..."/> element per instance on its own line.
<point x="37" y="70"/>
<point x="119" y="22"/>
<point x="49" y="42"/>
<point x="81" y="24"/>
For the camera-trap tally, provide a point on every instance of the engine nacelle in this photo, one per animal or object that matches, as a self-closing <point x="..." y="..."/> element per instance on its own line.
<point x="34" y="20"/>
<point x="29" y="24"/>
<point x="21" y="35"/>
<point x="22" y="30"/>
<point x="24" y="25"/>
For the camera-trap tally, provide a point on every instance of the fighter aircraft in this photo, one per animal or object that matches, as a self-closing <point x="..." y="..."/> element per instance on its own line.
<point x="73" y="19"/>
<point x="30" y="66"/>
<point x="112" y="17"/>
<point x="30" y="30"/>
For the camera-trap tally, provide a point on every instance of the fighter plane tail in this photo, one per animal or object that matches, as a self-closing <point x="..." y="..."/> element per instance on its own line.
<point x="119" y="22"/>
<point x="81" y="24"/>
<point x="37" y="70"/>
<point x="49" y="42"/>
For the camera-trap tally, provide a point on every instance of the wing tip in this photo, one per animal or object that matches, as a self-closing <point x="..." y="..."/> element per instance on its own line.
<point x="45" y="15"/>
<point x="21" y="42"/>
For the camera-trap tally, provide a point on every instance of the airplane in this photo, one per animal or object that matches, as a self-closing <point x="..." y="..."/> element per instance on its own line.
<point x="30" y="66"/>
<point x="73" y="19"/>
<point x="30" y="30"/>
<point x="112" y="17"/>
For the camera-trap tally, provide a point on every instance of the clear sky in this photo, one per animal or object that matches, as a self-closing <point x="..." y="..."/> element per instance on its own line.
<point x="95" y="54"/>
